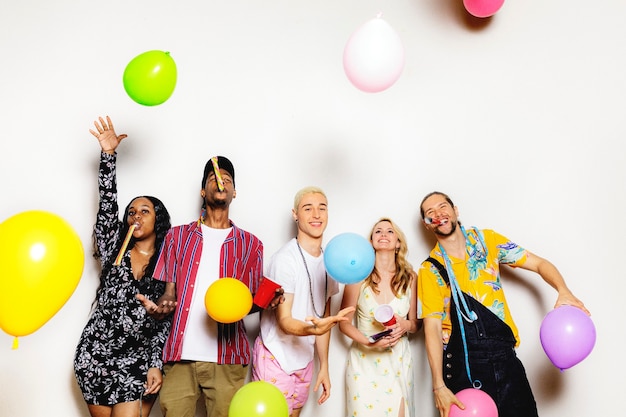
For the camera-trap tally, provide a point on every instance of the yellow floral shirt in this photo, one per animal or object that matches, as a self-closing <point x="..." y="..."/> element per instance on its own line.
<point x="477" y="276"/>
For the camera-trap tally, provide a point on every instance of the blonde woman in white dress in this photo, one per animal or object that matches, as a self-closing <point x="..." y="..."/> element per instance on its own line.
<point x="379" y="374"/>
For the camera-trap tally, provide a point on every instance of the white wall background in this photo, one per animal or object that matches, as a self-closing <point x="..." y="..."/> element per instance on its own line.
<point x="520" y="118"/>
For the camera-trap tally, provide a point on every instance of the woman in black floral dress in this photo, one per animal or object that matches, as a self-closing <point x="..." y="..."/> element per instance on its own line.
<point x="118" y="358"/>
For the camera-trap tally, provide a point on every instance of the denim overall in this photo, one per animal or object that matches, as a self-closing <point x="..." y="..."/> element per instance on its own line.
<point x="493" y="363"/>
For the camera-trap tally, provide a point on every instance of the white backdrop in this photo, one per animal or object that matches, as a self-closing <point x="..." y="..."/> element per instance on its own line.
<point x="519" y="118"/>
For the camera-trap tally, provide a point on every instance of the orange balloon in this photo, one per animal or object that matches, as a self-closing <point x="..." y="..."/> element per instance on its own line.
<point x="228" y="300"/>
<point x="41" y="262"/>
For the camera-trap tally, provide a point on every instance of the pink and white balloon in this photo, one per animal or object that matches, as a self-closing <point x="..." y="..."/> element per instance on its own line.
<point x="482" y="8"/>
<point x="373" y="58"/>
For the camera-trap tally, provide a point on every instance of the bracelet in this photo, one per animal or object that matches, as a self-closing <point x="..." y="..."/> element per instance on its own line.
<point x="438" y="388"/>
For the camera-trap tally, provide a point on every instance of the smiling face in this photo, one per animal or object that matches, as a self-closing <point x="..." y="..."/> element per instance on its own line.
<point x="439" y="215"/>
<point x="311" y="215"/>
<point x="384" y="237"/>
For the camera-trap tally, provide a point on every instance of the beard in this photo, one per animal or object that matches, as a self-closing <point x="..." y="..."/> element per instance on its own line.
<point x="452" y="230"/>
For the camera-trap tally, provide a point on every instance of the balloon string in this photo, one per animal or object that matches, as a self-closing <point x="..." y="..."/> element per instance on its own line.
<point x="15" y="343"/>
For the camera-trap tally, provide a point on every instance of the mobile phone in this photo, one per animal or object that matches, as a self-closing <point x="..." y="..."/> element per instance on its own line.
<point x="375" y="337"/>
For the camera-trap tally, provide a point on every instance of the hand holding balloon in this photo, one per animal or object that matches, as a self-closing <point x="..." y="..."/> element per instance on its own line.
<point x="567" y="298"/>
<point x="476" y="403"/>
<point x="567" y="336"/>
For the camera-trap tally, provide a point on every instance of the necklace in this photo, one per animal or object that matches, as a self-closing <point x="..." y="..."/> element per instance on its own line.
<point x="311" y="283"/>
<point x="143" y="252"/>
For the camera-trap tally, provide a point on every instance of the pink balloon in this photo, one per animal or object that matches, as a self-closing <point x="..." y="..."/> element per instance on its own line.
<point x="373" y="58"/>
<point x="567" y="335"/>
<point x="477" y="403"/>
<point x="482" y="8"/>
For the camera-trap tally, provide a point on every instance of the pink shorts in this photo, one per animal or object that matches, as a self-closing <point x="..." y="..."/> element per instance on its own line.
<point x="295" y="386"/>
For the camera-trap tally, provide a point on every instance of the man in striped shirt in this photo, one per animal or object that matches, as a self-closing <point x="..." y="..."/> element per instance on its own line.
<point x="203" y="357"/>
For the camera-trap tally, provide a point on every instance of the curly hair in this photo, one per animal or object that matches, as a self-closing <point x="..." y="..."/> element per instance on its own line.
<point x="404" y="275"/>
<point x="162" y="224"/>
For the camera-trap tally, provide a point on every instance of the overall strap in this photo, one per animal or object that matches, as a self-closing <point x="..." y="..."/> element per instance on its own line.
<point x="440" y="267"/>
<point x="454" y="288"/>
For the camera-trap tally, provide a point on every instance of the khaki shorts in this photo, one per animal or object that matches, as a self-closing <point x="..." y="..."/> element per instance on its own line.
<point x="184" y="382"/>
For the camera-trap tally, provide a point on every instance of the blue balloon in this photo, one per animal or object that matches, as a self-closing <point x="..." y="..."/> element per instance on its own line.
<point x="349" y="258"/>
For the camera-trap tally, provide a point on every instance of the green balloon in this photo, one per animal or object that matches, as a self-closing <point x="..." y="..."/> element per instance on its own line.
<point x="150" y="78"/>
<point x="258" y="399"/>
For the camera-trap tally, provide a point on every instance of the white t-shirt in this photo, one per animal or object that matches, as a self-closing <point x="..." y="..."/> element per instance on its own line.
<point x="287" y="268"/>
<point x="200" y="340"/>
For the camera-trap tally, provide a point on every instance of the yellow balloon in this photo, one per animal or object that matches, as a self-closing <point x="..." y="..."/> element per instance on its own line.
<point x="228" y="300"/>
<point x="41" y="262"/>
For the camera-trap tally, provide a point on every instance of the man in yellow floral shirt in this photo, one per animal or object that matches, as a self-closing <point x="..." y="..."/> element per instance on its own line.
<point x="460" y="283"/>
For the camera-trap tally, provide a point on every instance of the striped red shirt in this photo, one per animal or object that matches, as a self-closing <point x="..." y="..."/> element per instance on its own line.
<point x="241" y="257"/>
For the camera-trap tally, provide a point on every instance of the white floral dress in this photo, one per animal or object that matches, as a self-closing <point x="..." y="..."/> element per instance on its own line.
<point x="378" y="379"/>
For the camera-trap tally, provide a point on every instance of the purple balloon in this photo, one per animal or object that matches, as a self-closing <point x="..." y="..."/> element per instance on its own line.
<point x="567" y="335"/>
<point x="477" y="403"/>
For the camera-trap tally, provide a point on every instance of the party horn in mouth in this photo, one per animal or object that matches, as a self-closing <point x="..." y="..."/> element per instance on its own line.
<point x="120" y="255"/>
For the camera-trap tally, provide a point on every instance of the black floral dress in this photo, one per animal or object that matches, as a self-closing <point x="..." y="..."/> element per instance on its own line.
<point x="120" y="341"/>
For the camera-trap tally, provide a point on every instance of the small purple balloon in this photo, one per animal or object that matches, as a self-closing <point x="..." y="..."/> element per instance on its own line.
<point x="567" y="335"/>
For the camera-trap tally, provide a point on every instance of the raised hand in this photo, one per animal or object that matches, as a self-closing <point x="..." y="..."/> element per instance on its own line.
<point x="105" y="133"/>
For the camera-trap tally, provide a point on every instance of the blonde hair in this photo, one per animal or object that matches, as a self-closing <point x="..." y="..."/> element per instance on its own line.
<point x="404" y="270"/>
<point x="306" y="190"/>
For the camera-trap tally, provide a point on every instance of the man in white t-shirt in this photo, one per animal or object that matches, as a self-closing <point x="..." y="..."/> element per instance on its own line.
<point x="300" y="327"/>
<point x="204" y="358"/>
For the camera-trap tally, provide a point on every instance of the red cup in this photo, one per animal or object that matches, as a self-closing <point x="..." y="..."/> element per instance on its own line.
<point x="384" y="314"/>
<point x="266" y="292"/>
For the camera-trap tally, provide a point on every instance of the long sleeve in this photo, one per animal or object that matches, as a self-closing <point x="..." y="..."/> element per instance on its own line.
<point x="107" y="228"/>
<point x="158" y="341"/>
